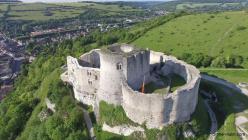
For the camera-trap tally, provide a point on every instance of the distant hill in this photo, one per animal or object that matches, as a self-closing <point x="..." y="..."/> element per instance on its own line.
<point x="213" y="1"/>
<point x="202" y="5"/>
<point x="7" y="1"/>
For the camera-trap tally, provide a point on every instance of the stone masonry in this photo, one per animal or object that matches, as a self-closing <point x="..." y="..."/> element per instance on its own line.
<point x="115" y="75"/>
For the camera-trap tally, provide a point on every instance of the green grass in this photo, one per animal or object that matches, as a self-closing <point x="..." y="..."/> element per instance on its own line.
<point x="232" y="75"/>
<point x="176" y="82"/>
<point x="36" y="11"/>
<point x="115" y="8"/>
<point x="194" y="5"/>
<point x="113" y="115"/>
<point x="3" y="8"/>
<point x="228" y="127"/>
<point x="212" y="34"/>
<point x="199" y="123"/>
<point x="200" y="120"/>
<point x="153" y="88"/>
<point x="229" y="104"/>
<point x="31" y="6"/>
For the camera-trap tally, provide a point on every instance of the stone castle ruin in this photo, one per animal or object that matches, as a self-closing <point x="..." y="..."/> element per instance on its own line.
<point x="115" y="74"/>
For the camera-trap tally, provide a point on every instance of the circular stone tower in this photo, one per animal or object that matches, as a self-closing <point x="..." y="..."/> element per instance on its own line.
<point x="110" y="76"/>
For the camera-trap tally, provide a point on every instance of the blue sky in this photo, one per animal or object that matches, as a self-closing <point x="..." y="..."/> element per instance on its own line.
<point x="83" y="0"/>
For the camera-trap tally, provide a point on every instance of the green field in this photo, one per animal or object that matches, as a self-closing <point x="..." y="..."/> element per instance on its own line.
<point x="190" y="5"/>
<point x="232" y="75"/>
<point x="154" y="88"/>
<point x="44" y="11"/>
<point x="230" y="104"/>
<point x="212" y="34"/>
<point x="3" y="8"/>
<point x="194" y="5"/>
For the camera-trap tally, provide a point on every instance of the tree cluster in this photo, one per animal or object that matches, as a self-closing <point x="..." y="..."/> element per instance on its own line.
<point x="201" y="60"/>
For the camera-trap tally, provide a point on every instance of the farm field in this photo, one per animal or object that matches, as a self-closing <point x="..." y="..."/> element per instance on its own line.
<point x="194" y="5"/>
<point x="211" y="34"/>
<point x="190" y="5"/>
<point x="45" y="11"/>
<point x="233" y="75"/>
<point x="3" y="8"/>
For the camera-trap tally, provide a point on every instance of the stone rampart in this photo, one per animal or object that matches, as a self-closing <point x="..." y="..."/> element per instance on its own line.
<point x="156" y="109"/>
<point x="85" y="80"/>
<point x="116" y="76"/>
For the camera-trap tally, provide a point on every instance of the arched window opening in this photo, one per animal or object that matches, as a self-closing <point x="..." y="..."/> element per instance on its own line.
<point x="119" y="66"/>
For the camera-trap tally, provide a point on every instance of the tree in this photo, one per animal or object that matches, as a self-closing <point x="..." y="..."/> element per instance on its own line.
<point x="206" y="62"/>
<point x="234" y="61"/>
<point x="219" y="62"/>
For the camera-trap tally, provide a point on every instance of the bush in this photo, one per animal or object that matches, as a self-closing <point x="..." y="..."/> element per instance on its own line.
<point x="240" y="28"/>
<point x="234" y="61"/>
<point x="198" y="59"/>
<point x="219" y="62"/>
<point x="113" y="115"/>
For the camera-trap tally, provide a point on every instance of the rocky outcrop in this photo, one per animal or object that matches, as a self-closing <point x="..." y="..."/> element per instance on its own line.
<point x="50" y="105"/>
<point x="124" y="130"/>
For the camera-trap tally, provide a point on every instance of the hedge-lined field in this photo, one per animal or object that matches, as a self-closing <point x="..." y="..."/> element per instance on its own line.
<point x="47" y="11"/>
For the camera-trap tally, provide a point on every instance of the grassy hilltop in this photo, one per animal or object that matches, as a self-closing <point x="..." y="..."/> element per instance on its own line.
<point x="213" y="34"/>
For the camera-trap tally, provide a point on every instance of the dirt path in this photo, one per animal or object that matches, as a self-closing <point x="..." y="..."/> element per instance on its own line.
<point x="214" y="124"/>
<point x="89" y="124"/>
<point x="220" y="39"/>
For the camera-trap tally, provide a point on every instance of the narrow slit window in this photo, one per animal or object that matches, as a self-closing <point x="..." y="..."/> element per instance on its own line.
<point x="89" y="82"/>
<point x="88" y="73"/>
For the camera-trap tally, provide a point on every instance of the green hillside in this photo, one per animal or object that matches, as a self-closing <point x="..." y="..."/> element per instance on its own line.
<point x="211" y="34"/>
<point x="232" y="75"/>
<point x="193" y="37"/>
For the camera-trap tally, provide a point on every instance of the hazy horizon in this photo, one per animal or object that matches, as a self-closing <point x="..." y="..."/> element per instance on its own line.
<point x="51" y="1"/>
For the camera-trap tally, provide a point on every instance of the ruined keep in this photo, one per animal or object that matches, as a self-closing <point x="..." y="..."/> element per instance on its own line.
<point x="115" y="75"/>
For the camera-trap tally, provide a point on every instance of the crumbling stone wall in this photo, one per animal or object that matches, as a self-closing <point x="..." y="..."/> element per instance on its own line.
<point x="115" y="79"/>
<point x="159" y="110"/>
<point x="91" y="59"/>
<point x="136" y="68"/>
<point x="85" y="81"/>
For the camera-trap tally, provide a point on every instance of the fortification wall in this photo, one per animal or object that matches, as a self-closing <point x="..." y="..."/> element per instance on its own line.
<point x="85" y="80"/>
<point x="158" y="110"/>
<point x="109" y="83"/>
<point x="90" y="59"/>
<point x="140" y="108"/>
<point x="136" y="67"/>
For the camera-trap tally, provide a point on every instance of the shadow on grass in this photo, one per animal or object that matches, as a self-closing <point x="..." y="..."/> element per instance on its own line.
<point x="230" y="102"/>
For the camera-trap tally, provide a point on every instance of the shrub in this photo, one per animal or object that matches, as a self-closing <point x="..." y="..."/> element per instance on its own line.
<point x="113" y="115"/>
<point x="219" y="62"/>
<point x="240" y="28"/>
